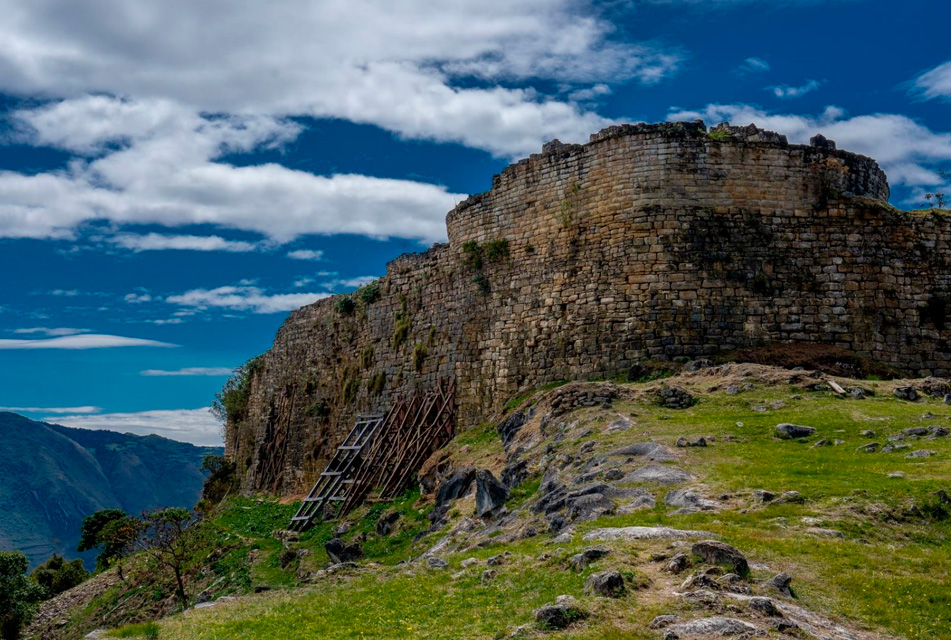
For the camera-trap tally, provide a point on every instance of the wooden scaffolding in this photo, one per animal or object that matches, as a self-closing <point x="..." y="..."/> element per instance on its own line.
<point x="383" y="453"/>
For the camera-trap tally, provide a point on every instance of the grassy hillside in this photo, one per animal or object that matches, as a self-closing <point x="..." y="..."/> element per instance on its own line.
<point x="867" y="539"/>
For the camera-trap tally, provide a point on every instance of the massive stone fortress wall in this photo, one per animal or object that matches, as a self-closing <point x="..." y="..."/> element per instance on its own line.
<point x="651" y="241"/>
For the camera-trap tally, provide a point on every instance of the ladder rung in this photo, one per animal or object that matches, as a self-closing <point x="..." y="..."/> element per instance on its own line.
<point x="299" y="518"/>
<point x="332" y="473"/>
<point x="350" y="447"/>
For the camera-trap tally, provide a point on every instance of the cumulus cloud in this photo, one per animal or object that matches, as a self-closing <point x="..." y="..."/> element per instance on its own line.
<point x="189" y="371"/>
<point x="243" y="298"/>
<point x="785" y="91"/>
<point x="82" y="341"/>
<point x="50" y="331"/>
<point x="393" y="64"/>
<point x="167" y="174"/>
<point x="935" y="83"/>
<point x="83" y="410"/>
<point x="151" y="98"/>
<point x="305" y="254"/>
<point x="906" y="149"/>
<point x="160" y="242"/>
<point x="196" y="426"/>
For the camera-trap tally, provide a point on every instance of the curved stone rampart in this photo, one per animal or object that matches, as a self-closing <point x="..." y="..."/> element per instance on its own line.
<point x="651" y="241"/>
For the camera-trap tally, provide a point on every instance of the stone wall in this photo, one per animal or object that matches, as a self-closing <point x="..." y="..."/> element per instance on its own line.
<point x="651" y="241"/>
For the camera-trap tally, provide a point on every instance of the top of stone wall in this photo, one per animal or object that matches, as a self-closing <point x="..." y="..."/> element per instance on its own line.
<point x="751" y="136"/>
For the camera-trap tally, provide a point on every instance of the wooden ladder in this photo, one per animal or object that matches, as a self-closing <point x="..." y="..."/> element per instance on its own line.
<point x="334" y="483"/>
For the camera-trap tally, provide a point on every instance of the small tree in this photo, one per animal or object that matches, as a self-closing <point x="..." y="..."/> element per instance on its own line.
<point x="113" y="532"/>
<point x="56" y="575"/>
<point x="18" y="594"/>
<point x="172" y="537"/>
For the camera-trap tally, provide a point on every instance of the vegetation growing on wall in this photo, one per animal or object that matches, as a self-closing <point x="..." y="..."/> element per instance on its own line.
<point x="231" y="403"/>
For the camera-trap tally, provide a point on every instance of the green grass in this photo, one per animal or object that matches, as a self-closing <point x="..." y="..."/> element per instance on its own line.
<point x="890" y="572"/>
<point x="149" y="630"/>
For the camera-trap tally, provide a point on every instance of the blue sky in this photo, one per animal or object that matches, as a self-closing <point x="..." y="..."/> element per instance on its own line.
<point x="175" y="177"/>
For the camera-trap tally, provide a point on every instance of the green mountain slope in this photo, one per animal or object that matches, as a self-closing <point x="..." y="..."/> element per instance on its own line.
<point x="54" y="476"/>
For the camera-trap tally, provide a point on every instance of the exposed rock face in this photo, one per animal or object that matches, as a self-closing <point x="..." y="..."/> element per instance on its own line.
<point x="582" y="261"/>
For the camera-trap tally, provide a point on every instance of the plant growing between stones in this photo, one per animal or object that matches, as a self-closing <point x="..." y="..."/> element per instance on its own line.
<point x="231" y="403"/>
<point x="419" y="356"/>
<point x="345" y="305"/>
<point x="369" y="293"/>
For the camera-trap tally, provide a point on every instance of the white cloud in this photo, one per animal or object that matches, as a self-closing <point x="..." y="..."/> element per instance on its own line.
<point x="904" y="148"/>
<point x="305" y="254"/>
<point x="190" y="371"/>
<point x="84" y="409"/>
<point x="785" y="91"/>
<point x="50" y="331"/>
<point x="753" y="65"/>
<point x="197" y="426"/>
<point x="170" y="176"/>
<point x="303" y="282"/>
<point x="244" y="298"/>
<point x="394" y="64"/>
<point x="137" y="84"/>
<point x="83" y="341"/>
<point x="160" y="242"/>
<point x="137" y="298"/>
<point x="63" y="293"/>
<point x="935" y="83"/>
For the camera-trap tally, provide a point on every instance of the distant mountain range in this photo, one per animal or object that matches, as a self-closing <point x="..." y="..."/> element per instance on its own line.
<point x="51" y="477"/>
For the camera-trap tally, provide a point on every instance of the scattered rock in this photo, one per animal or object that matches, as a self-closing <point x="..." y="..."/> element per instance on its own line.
<point x="689" y="501"/>
<point x="340" y="552"/>
<point x="938" y="432"/>
<point x="765" y="606"/>
<point x="435" y="562"/>
<point x="789" y="431"/>
<point x="715" y="625"/>
<point x="613" y="474"/>
<point x="488" y="575"/>
<point x="490" y="493"/>
<point x="453" y="487"/>
<point x="896" y="474"/>
<point x="790" y="497"/>
<point x="621" y="424"/>
<point x="560" y="615"/>
<point x="663" y="621"/>
<point x="780" y="582"/>
<point x="384" y="526"/>
<point x="906" y="393"/>
<point x="889" y="448"/>
<point x="915" y="431"/>
<point x="658" y="474"/>
<point x="580" y="561"/>
<point x="675" y="398"/>
<point x="496" y="560"/>
<point x="871" y="447"/>
<point x="825" y="442"/>
<point x="650" y="450"/>
<point x="468" y="562"/>
<point x="645" y="501"/>
<point x="514" y="474"/>
<point x="609" y="584"/>
<point x="678" y="564"/>
<point x="722" y="554"/>
<point x="922" y="453"/>
<point x="642" y="533"/>
<point x="761" y="495"/>
<point x="868" y="433"/>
